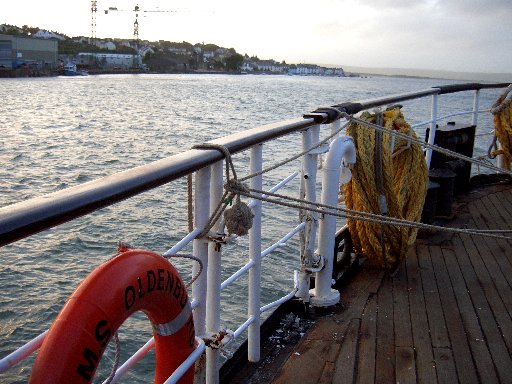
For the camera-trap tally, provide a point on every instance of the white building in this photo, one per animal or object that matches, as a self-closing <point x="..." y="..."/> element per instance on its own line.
<point x="106" y="45"/>
<point x="271" y="66"/>
<point x="44" y="34"/>
<point x="307" y="69"/>
<point x="109" y="60"/>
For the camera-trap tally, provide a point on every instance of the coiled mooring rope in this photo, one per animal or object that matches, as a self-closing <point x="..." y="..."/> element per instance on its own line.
<point x="405" y="182"/>
<point x="502" y="111"/>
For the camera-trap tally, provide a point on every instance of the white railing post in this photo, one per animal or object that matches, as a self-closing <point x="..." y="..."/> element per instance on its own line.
<point x="433" y="127"/>
<point x="254" y="302"/>
<point x="200" y="246"/>
<point x="341" y="147"/>
<point x="335" y="126"/>
<point x="310" y="137"/>
<point x="310" y="165"/>
<point x="214" y="278"/>
<point x="476" y="103"/>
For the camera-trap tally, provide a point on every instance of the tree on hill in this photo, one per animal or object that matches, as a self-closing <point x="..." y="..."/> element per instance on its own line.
<point x="70" y="47"/>
<point x="234" y="62"/>
<point x="29" y="30"/>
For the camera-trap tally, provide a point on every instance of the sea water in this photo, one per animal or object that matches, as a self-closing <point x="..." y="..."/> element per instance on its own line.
<point x="60" y="132"/>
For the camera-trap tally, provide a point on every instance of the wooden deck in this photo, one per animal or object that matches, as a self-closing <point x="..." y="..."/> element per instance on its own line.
<point x="444" y="317"/>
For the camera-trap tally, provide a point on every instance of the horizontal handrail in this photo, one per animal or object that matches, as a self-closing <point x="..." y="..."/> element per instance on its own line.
<point x="22" y="353"/>
<point x="183" y="368"/>
<point x="26" y="218"/>
<point x="447" y="117"/>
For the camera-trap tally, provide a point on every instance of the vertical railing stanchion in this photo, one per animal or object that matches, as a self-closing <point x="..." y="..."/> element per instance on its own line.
<point x="335" y="126"/>
<point x="310" y="137"/>
<point x="323" y="294"/>
<point x="200" y="246"/>
<point x="433" y="127"/>
<point x="476" y="105"/>
<point x="254" y="302"/>
<point x="214" y="278"/>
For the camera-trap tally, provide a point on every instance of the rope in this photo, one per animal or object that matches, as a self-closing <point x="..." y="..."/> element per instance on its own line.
<point x="415" y="140"/>
<point x="238" y="219"/>
<point x="116" y="360"/>
<point x="403" y="186"/>
<point x="379" y="183"/>
<point x="367" y="216"/>
<point x="295" y="157"/>
<point x="191" y="257"/>
<point x="394" y="127"/>
<point x="502" y="111"/>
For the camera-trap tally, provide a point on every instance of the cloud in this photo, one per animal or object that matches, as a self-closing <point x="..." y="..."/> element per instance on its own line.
<point x="393" y="4"/>
<point x="476" y="8"/>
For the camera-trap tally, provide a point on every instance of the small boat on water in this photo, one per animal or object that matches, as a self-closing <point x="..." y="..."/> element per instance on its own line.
<point x="71" y="70"/>
<point x="415" y="316"/>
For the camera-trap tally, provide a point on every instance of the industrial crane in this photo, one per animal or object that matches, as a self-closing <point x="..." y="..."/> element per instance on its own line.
<point x="136" y="10"/>
<point x="94" y="8"/>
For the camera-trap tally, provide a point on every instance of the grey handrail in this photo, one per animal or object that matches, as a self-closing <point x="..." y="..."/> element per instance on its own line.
<point x="26" y="218"/>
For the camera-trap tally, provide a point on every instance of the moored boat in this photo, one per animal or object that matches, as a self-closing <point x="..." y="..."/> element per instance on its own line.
<point x="70" y="69"/>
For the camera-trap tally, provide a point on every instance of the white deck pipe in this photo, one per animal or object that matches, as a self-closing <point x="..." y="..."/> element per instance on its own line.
<point x="200" y="246"/>
<point x="342" y="148"/>
<point x="476" y="103"/>
<point x="254" y="301"/>
<point x="310" y="137"/>
<point x="433" y="127"/>
<point x="214" y="278"/>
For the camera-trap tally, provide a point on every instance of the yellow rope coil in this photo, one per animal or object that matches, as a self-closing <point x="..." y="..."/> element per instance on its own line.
<point x="405" y="177"/>
<point x="502" y="111"/>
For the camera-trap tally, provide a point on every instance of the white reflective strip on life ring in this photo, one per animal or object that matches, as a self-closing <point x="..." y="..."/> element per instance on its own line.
<point x="175" y="324"/>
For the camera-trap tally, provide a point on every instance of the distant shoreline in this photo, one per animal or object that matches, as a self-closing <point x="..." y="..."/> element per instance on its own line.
<point x="29" y="72"/>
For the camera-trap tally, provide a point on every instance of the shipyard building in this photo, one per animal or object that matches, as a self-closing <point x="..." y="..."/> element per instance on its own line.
<point x="17" y="51"/>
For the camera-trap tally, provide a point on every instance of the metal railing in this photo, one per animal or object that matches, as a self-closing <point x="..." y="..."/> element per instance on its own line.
<point x="26" y="218"/>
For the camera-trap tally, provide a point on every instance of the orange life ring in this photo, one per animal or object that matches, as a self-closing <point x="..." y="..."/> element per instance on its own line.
<point x="133" y="280"/>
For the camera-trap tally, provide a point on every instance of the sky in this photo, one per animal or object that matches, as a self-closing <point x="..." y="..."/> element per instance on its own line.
<point x="454" y="35"/>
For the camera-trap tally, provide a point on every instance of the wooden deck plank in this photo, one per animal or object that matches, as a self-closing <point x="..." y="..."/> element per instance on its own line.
<point x="465" y="367"/>
<point x="476" y="286"/>
<point x="436" y="322"/>
<point x="367" y="343"/>
<point x="490" y="251"/>
<point x="445" y="366"/>
<point x="322" y="342"/>
<point x="502" y="201"/>
<point x="424" y="356"/>
<point x="469" y="315"/>
<point x="445" y="316"/>
<point x="494" y="288"/>
<point x="405" y="365"/>
<point x="499" y="247"/>
<point x="401" y="312"/>
<point x="327" y="373"/>
<point x="385" y="358"/>
<point x="345" y="370"/>
<point x="497" y="261"/>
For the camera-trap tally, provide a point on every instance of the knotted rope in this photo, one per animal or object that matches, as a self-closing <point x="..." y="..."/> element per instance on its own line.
<point x="405" y="181"/>
<point x="502" y="111"/>
<point x="238" y="219"/>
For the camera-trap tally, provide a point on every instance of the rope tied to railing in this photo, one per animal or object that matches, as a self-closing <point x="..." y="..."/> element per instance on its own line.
<point x="238" y="218"/>
<point x="502" y="116"/>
